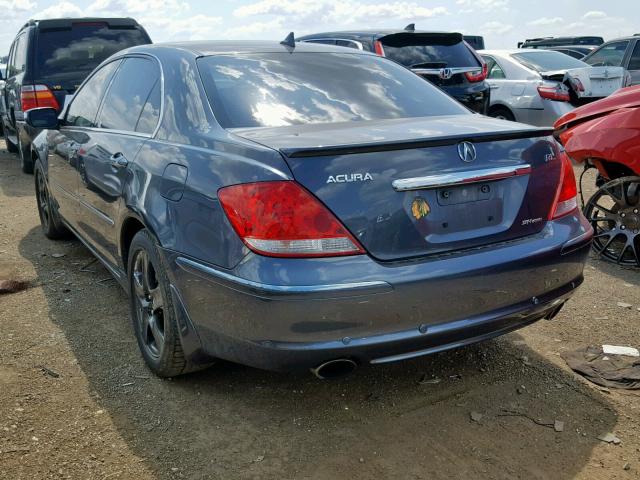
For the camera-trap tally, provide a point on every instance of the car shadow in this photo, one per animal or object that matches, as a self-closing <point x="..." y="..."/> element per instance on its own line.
<point x="485" y="411"/>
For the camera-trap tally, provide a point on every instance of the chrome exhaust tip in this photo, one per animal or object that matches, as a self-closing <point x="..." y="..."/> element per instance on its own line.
<point x="334" y="369"/>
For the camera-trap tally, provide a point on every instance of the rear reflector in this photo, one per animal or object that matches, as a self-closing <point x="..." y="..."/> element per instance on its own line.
<point x="282" y="219"/>
<point x="379" y="49"/>
<point x="567" y="195"/>
<point x="554" y="92"/>
<point x="37" y="96"/>
<point x="478" y="76"/>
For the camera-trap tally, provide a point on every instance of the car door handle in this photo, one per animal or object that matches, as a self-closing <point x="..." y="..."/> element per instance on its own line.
<point x="494" y="87"/>
<point x="118" y="160"/>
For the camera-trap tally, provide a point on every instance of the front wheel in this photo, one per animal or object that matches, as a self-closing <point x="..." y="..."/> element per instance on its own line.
<point x="11" y="148"/>
<point x="152" y="312"/>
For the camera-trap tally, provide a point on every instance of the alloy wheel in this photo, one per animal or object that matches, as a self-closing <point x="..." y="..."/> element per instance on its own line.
<point x="614" y="213"/>
<point x="149" y="304"/>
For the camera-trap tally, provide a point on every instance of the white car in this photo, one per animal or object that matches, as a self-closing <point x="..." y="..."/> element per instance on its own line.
<point x="539" y="86"/>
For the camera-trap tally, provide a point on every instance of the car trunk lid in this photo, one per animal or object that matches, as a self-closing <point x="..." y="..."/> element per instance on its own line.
<point x="412" y="187"/>
<point x="589" y="83"/>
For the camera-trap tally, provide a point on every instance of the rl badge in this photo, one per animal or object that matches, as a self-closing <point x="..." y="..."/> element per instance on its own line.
<point x="420" y="208"/>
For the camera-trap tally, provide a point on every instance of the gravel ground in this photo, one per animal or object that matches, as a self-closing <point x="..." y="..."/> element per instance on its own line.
<point x="76" y="400"/>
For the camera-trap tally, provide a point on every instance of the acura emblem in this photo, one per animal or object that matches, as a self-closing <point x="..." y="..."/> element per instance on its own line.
<point x="446" y="73"/>
<point x="467" y="151"/>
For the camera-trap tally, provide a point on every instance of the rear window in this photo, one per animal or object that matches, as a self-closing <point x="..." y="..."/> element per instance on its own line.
<point x="417" y="51"/>
<point x="548" y="61"/>
<point x="278" y="89"/>
<point x="81" y="48"/>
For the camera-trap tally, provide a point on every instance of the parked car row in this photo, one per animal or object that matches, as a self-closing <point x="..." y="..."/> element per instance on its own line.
<point x="302" y="205"/>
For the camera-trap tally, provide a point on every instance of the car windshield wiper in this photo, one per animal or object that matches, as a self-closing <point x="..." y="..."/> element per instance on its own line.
<point x="430" y="65"/>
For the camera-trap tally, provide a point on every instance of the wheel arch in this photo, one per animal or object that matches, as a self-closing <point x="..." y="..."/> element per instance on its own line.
<point x="131" y="224"/>
<point x="501" y="106"/>
<point x="613" y="170"/>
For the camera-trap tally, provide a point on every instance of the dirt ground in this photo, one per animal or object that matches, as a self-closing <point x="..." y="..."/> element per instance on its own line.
<point x="76" y="400"/>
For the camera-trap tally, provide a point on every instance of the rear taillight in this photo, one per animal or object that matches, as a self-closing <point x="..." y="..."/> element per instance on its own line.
<point x="37" y="96"/>
<point x="554" y="92"/>
<point x="378" y="48"/>
<point x="477" y="76"/>
<point x="566" y="200"/>
<point x="282" y="219"/>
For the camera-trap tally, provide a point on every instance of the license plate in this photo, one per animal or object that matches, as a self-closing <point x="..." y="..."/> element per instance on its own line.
<point x="604" y="87"/>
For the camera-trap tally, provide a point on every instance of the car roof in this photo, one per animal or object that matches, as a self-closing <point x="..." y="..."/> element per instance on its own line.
<point x="511" y="51"/>
<point x="221" y="47"/>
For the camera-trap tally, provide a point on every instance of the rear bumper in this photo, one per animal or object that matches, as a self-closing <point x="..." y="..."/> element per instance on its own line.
<point x="288" y="314"/>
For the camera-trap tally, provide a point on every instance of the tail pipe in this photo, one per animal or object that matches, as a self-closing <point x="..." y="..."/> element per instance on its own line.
<point x="334" y="368"/>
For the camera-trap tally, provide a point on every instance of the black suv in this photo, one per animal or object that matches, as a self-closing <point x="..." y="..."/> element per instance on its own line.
<point x="622" y="52"/>
<point x="48" y="60"/>
<point x="444" y="59"/>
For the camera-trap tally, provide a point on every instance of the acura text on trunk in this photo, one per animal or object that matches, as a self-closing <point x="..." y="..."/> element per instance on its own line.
<point x="305" y="206"/>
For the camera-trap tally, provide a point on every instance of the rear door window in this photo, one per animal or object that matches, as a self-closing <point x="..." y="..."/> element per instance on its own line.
<point x="428" y="51"/>
<point x="76" y="51"/>
<point x="84" y="106"/>
<point x="19" y="58"/>
<point x="610" y="55"/>
<point x="129" y="94"/>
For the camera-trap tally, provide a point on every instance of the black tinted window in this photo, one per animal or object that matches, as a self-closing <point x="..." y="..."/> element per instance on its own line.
<point x="428" y="51"/>
<point x="80" y="49"/>
<point x="84" y="107"/>
<point x="286" y="89"/>
<point x="128" y="94"/>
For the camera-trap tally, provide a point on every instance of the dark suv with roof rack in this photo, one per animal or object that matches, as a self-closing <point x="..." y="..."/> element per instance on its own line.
<point x="442" y="58"/>
<point x="48" y="60"/>
<point x="544" y="42"/>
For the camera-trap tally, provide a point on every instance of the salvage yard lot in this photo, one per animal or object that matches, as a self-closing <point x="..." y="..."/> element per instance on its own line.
<point x="76" y="400"/>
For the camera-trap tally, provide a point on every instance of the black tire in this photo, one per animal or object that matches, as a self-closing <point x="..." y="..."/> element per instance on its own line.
<point x="503" y="113"/>
<point x="24" y="154"/>
<point x="50" y="219"/>
<point x="152" y="312"/>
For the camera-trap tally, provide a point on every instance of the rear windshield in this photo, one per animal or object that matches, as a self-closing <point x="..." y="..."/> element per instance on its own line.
<point x="428" y="52"/>
<point x="548" y="61"/>
<point x="278" y="89"/>
<point x="81" y="48"/>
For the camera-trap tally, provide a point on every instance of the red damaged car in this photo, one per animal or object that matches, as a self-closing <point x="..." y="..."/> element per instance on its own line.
<point x="606" y="135"/>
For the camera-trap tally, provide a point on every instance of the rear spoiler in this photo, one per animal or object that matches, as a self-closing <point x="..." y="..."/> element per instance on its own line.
<point x="67" y="23"/>
<point x="402" y="38"/>
<point x="324" y="151"/>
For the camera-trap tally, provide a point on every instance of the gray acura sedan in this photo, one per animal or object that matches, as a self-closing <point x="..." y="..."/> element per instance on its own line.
<point x="304" y="206"/>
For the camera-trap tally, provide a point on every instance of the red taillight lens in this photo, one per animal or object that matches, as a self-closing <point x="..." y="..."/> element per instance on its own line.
<point x="37" y="96"/>
<point x="566" y="200"/>
<point x="282" y="219"/>
<point x="554" y="92"/>
<point x="379" y="49"/>
<point x="477" y="76"/>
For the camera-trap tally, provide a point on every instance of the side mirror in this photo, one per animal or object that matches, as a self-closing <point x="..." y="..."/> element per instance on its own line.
<point x="42" y="118"/>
